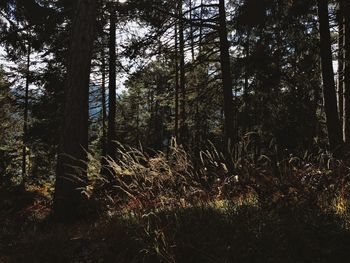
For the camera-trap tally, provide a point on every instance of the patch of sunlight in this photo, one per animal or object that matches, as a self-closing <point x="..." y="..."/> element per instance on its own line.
<point x="340" y="205"/>
<point x="221" y="205"/>
<point x="225" y="204"/>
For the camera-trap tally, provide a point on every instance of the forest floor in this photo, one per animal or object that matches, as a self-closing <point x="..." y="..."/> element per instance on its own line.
<point x="215" y="231"/>
<point x="162" y="211"/>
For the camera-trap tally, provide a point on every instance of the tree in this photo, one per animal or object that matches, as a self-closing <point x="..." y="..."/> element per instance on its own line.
<point x="71" y="164"/>
<point x="340" y="91"/>
<point x="112" y="105"/>
<point x="345" y="9"/>
<point x="176" y="94"/>
<point x="25" y="120"/>
<point x="103" y="103"/>
<point x="329" y="91"/>
<point x="229" y="111"/>
<point x="183" y="124"/>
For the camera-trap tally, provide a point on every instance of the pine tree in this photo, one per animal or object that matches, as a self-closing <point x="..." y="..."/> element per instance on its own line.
<point x="329" y="92"/>
<point x="72" y="159"/>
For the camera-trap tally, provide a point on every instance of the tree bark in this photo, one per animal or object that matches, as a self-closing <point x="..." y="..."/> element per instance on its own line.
<point x="329" y="90"/>
<point x="199" y="83"/>
<point x="191" y="31"/>
<point x="246" y="126"/>
<point x="346" y="69"/>
<point x="340" y="91"/>
<point x="112" y="97"/>
<point x="229" y="112"/>
<point x="176" y="84"/>
<point x="183" y="126"/>
<point x="103" y="102"/>
<point x="25" y="119"/>
<point x="72" y="159"/>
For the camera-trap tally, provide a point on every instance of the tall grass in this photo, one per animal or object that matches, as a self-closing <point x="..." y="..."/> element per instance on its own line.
<point x="262" y="175"/>
<point x="182" y="207"/>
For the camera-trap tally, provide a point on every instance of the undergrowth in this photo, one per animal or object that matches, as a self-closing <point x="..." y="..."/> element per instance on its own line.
<point x="273" y="207"/>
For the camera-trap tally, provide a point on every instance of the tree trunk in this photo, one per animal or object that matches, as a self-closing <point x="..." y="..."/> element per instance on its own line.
<point x="183" y="126"/>
<point x="72" y="158"/>
<point x="229" y="112"/>
<point x="199" y="83"/>
<point x="246" y="126"/>
<point x="25" y="120"/>
<point x="111" y="135"/>
<point x="191" y="31"/>
<point x="329" y="90"/>
<point x="103" y="102"/>
<point x="176" y="84"/>
<point x="340" y="95"/>
<point x="346" y="70"/>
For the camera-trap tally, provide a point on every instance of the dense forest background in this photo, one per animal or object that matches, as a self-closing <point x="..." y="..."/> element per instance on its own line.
<point x="108" y="107"/>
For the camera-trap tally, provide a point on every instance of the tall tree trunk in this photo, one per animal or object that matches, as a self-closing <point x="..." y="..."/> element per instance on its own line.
<point x="25" y="119"/>
<point x="202" y="118"/>
<point x="229" y="112"/>
<point x="199" y="83"/>
<point x="191" y="31"/>
<point x="201" y="29"/>
<point x="246" y="125"/>
<point x="346" y="69"/>
<point x="103" y="102"/>
<point x="158" y="115"/>
<point x="183" y="128"/>
<point x="340" y="95"/>
<point x="112" y="97"/>
<point x="72" y="159"/>
<point x="138" y="100"/>
<point x="176" y="83"/>
<point x="329" y="90"/>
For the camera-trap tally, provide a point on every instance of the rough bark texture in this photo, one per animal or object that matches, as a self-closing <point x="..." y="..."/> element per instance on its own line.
<point x="329" y="90"/>
<point x="226" y="79"/>
<point x="72" y="158"/>
<point x="346" y="69"/>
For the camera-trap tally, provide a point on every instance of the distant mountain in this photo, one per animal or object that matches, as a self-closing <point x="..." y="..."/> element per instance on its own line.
<point x="95" y="104"/>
